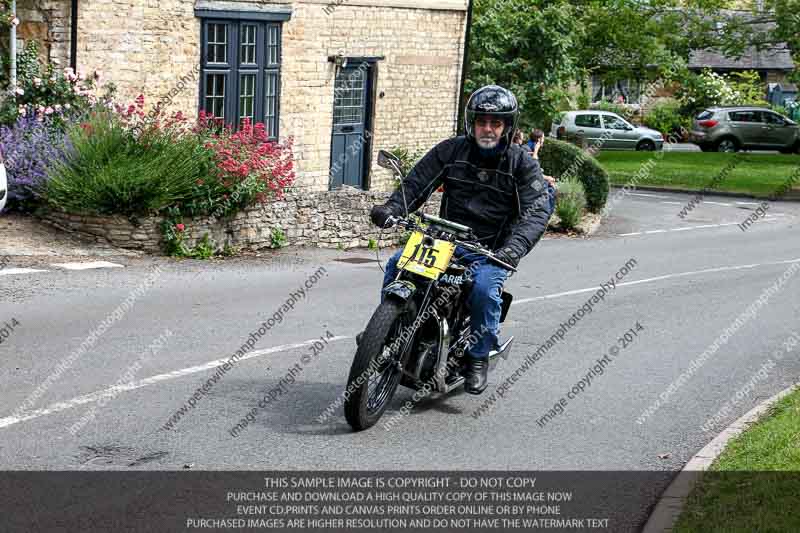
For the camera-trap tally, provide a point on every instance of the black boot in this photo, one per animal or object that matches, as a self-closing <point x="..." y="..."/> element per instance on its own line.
<point x="476" y="375"/>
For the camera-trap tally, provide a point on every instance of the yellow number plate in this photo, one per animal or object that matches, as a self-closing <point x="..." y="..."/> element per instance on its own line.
<point x="428" y="261"/>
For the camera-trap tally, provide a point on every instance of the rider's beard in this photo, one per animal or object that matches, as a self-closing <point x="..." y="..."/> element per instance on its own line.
<point x="488" y="143"/>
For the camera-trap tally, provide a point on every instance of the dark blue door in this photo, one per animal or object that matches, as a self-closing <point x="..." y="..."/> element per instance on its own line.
<point x="349" y="131"/>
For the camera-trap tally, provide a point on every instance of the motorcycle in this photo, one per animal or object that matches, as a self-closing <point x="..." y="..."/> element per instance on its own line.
<point x="418" y="335"/>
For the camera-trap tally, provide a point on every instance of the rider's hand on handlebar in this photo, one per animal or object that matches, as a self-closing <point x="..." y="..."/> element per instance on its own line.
<point x="380" y="215"/>
<point x="508" y="255"/>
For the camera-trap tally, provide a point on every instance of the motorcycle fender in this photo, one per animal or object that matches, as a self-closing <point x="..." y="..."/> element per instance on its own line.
<point x="401" y="289"/>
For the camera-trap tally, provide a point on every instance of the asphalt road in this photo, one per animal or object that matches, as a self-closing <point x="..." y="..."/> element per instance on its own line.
<point x="691" y="279"/>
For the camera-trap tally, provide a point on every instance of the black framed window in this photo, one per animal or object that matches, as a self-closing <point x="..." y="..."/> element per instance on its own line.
<point x="241" y="71"/>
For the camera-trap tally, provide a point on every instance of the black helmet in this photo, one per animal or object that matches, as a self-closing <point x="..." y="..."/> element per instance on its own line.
<point x="495" y="101"/>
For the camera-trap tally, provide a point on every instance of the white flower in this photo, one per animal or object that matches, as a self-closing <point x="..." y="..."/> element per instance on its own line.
<point x="48" y="110"/>
<point x="67" y="106"/>
<point x="37" y="81"/>
<point x="57" y="107"/>
<point x="15" y="21"/>
<point x="20" y="91"/>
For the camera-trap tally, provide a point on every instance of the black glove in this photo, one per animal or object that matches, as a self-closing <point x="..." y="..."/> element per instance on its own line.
<point x="379" y="215"/>
<point x="508" y="255"/>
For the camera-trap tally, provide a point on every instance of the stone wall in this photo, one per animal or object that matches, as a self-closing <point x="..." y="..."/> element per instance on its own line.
<point x="338" y="219"/>
<point x="149" y="46"/>
<point x="48" y="23"/>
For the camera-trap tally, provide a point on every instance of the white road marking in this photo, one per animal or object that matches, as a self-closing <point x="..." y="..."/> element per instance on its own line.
<point x="657" y="278"/>
<point x="768" y="218"/>
<point x="10" y="271"/>
<point x="674" y="203"/>
<point x="114" y="391"/>
<point x="717" y="203"/>
<point x="748" y="203"/>
<point x="648" y="195"/>
<point x="87" y="265"/>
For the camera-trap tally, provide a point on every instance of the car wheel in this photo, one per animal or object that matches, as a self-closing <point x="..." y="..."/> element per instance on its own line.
<point x="646" y="146"/>
<point x="727" y="145"/>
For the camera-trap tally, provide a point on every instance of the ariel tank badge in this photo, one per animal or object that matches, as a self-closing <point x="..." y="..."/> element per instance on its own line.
<point x="483" y="176"/>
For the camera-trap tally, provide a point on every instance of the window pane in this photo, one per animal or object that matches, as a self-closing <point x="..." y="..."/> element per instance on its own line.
<point x="217" y="46"/>
<point x="613" y="123"/>
<point x="348" y="93"/>
<point x="247" y="94"/>
<point x="215" y="95"/>
<point x="272" y="44"/>
<point x="270" y="103"/>
<point x="247" y="45"/>
<point x="587" y="121"/>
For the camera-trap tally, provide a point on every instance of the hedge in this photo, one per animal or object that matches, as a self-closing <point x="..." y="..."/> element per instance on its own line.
<point x="559" y="158"/>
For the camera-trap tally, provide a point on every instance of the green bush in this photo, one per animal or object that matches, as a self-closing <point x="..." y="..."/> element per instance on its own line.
<point x="563" y="160"/>
<point x="408" y="158"/>
<point x="666" y="117"/>
<point x="571" y="203"/>
<point x="108" y="172"/>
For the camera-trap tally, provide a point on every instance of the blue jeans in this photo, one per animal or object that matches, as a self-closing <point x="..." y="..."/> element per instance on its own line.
<point x="484" y="300"/>
<point x="551" y="192"/>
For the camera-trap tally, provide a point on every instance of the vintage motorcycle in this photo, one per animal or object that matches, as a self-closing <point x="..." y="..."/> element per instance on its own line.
<point x="418" y="335"/>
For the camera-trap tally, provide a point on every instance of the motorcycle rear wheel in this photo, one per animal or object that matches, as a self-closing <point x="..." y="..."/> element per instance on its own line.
<point x="375" y="373"/>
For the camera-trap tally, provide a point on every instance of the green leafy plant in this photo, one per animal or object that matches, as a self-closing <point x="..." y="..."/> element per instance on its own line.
<point x="204" y="248"/>
<point x="571" y="203"/>
<point x="373" y="244"/>
<point x="667" y="118"/>
<point x="564" y="160"/>
<point x="408" y="158"/>
<point x="277" y="238"/>
<point x="108" y="172"/>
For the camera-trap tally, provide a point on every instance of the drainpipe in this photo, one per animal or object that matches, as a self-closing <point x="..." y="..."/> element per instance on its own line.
<point x="73" y="38"/>
<point x="13" y="47"/>
<point x="465" y="61"/>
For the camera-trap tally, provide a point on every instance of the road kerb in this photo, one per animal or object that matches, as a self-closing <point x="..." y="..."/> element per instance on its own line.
<point x="672" y="502"/>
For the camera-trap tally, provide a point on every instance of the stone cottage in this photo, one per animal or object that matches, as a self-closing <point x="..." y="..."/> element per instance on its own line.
<point x="343" y="78"/>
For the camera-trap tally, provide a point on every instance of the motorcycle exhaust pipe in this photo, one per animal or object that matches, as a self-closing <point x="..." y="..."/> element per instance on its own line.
<point x="501" y="353"/>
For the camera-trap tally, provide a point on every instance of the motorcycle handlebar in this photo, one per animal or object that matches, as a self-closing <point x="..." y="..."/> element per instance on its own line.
<point x="471" y="246"/>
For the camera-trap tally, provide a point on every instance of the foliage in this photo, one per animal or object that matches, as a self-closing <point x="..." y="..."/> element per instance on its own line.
<point x="61" y="95"/>
<point x="408" y="159"/>
<point x="571" y="203"/>
<point x="667" y="117"/>
<point x="748" y="86"/>
<point x="373" y="244"/>
<point x="526" y="46"/>
<point x="564" y="160"/>
<point x="108" y="172"/>
<point x="28" y="148"/>
<point x="699" y="91"/>
<point x="277" y="238"/>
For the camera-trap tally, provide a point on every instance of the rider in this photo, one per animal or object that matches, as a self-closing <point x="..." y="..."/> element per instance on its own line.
<point x="495" y="188"/>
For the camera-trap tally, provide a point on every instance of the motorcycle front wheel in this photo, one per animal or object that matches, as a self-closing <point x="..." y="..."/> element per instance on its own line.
<point x="377" y="366"/>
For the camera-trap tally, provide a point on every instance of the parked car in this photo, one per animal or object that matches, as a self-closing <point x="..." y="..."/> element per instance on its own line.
<point x="3" y="186"/>
<point x="607" y="129"/>
<point x="729" y="129"/>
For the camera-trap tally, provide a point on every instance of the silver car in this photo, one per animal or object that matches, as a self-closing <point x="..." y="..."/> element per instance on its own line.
<point x="728" y="129"/>
<point x="605" y="129"/>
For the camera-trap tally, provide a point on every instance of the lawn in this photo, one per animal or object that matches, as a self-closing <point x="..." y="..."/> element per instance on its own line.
<point x="755" y="484"/>
<point x="755" y="174"/>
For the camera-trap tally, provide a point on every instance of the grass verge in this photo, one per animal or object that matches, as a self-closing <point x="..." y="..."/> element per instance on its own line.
<point x="758" y="175"/>
<point x="755" y="484"/>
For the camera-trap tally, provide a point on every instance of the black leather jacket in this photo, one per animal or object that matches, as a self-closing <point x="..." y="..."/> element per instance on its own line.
<point x="504" y="199"/>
